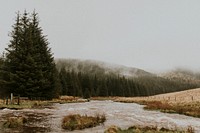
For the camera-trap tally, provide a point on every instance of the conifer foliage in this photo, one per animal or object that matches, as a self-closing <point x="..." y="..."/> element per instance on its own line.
<point x="92" y="84"/>
<point x="2" y="82"/>
<point x="29" y="68"/>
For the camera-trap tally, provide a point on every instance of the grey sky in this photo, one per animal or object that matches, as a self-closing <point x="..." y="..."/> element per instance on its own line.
<point x="153" y="35"/>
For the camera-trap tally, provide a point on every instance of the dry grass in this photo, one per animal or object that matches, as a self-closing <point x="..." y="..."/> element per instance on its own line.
<point x="187" y="96"/>
<point x="184" y="102"/>
<point x="181" y="97"/>
<point x="68" y="99"/>
<point x="113" y="129"/>
<point x="1" y="101"/>
<point x="186" y="109"/>
<point x="27" y="104"/>
<point x="40" y="104"/>
<point x="139" y="129"/>
<point x="190" y="109"/>
<point x="14" y="122"/>
<point x="157" y="105"/>
<point x="103" y="98"/>
<point x="24" y="122"/>
<point x="77" y="122"/>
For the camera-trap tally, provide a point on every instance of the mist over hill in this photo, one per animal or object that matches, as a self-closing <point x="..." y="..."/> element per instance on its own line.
<point x="184" y="75"/>
<point x="98" y="78"/>
<point x="99" y="68"/>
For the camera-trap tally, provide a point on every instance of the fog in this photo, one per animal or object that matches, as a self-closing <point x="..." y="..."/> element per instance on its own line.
<point x="152" y="35"/>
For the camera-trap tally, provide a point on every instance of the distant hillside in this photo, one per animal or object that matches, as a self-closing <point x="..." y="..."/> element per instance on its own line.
<point x="181" y="96"/>
<point x="99" y="68"/>
<point x="183" y="75"/>
<point x="95" y="78"/>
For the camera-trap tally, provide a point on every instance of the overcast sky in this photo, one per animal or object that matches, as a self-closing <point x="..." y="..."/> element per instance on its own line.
<point x="154" y="35"/>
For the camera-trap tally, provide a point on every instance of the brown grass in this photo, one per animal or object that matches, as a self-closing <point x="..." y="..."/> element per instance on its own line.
<point x="190" y="109"/>
<point x="24" y="104"/>
<point x="103" y="98"/>
<point x="14" y="122"/>
<point x="69" y="99"/>
<point x="181" y="97"/>
<point x="184" y="102"/>
<point x="77" y="122"/>
<point x="27" y="104"/>
<point x="147" y="129"/>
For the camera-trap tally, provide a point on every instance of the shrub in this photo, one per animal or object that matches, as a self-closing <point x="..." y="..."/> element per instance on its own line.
<point x="14" y="122"/>
<point x="77" y="122"/>
<point x="113" y="129"/>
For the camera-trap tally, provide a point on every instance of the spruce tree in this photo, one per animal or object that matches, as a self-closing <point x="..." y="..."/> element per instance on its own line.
<point x="29" y="62"/>
<point x="2" y="82"/>
<point x="63" y="80"/>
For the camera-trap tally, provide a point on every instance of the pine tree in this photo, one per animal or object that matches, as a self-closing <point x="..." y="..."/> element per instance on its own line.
<point x="2" y="82"/>
<point x="63" y="80"/>
<point x="29" y="62"/>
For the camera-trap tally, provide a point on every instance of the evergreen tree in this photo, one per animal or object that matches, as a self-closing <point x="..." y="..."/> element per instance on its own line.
<point x="29" y="62"/>
<point x="63" y="80"/>
<point x="2" y="82"/>
<point x="57" y="91"/>
<point x="86" y="93"/>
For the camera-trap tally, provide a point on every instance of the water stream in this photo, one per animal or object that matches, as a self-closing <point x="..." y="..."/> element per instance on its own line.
<point x="123" y="115"/>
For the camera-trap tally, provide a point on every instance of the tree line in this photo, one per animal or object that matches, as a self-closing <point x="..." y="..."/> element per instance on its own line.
<point x="27" y="68"/>
<point x="91" y="84"/>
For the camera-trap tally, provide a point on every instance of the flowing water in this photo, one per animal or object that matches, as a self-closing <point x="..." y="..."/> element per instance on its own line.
<point x="123" y="115"/>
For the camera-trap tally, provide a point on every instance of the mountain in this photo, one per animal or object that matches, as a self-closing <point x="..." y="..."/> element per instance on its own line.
<point x="98" y="67"/>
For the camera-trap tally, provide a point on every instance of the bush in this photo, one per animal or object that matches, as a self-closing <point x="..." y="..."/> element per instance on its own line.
<point x="14" y="122"/>
<point x="77" y="122"/>
<point x="113" y="129"/>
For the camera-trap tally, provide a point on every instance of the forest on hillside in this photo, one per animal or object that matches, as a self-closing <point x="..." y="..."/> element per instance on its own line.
<point x="88" y="84"/>
<point x="28" y="68"/>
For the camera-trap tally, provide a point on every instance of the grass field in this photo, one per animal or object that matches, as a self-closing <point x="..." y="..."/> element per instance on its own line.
<point x="27" y="104"/>
<point x="184" y="102"/>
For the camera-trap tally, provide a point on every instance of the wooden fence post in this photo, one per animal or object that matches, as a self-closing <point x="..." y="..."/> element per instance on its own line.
<point x="6" y="100"/>
<point x="18" y="100"/>
<point x="11" y="98"/>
